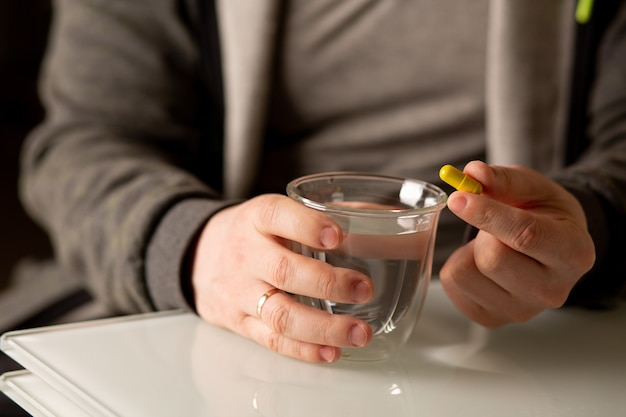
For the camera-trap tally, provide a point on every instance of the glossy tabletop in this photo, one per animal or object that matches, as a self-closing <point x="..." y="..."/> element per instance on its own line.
<point x="566" y="362"/>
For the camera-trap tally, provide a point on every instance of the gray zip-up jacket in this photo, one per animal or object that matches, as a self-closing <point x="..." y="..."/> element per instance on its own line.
<point x="155" y="120"/>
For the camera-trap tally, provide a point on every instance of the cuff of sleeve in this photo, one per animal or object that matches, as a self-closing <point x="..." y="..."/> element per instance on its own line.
<point x="167" y="276"/>
<point x="598" y="288"/>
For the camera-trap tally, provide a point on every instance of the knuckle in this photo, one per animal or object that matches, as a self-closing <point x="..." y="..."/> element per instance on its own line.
<point x="326" y="283"/>
<point x="267" y="213"/>
<point x="487" y="262"/>
<point x="238" y="322"/>
<point x="273" y="341"/>
<point x="279" y="318"/>
<point x="324" y="332"/>
<point x="527" y="235"/>
<point x="487" y="217"/>
<point x="505" y="177"/>
<point x="280" y="271"/>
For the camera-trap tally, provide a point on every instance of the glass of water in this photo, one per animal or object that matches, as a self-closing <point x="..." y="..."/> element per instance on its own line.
<point x="389" y="226"/>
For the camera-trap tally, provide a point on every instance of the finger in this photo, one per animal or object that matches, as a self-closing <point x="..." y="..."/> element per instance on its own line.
<point x="506" y="267"/>
<point x="281" y="216"/>
<point x="532" y="286"/>
<point x="484" y="302"/>
<point x="480" y="298"/>
<point x="287" y="317"/>
<point x="302" y="275"/>
<point x="493" y="285"/>
<point x="284" y="345"/>
<point x="468" y="289"/>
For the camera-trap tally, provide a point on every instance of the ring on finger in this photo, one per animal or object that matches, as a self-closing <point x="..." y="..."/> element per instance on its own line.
<point x="263" y="299"/>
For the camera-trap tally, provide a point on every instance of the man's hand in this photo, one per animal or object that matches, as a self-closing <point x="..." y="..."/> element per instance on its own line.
<point x="532" y="247"/>
<point x="243" y="253"/>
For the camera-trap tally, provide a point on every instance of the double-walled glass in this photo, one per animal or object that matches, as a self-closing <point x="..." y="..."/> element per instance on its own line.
<point x="389" y="226"/>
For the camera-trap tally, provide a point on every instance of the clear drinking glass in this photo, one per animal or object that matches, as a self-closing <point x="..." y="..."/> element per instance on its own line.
<point x="389" y="227"/>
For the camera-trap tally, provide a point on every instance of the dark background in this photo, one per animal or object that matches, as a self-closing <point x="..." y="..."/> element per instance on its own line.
<point x="23" y="30"/>
<point x="24" y="27"/>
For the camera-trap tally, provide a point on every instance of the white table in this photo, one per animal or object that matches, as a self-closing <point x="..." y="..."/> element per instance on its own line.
<point x="566" y="362"/>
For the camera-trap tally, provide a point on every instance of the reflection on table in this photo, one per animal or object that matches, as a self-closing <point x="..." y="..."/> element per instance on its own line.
<point x="566" y="362"/>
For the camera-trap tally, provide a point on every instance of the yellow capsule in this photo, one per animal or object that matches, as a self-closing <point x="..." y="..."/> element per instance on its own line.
<point x="459" y="180"/>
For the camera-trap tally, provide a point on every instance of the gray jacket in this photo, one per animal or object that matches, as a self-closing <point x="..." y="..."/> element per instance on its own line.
<point x="140" y="147"/>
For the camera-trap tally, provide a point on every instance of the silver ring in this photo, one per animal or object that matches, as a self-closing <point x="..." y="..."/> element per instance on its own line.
<point x="263" y="299"/>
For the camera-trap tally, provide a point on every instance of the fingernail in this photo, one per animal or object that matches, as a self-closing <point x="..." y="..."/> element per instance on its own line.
<point x="457" y="203"/>
<point x="328" y="354"/>
<point x="329" y="238"/>
<point x="361" y="292"/>
<point x="358" y="336"/>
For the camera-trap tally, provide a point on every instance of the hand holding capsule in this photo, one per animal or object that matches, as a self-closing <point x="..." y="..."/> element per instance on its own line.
<point x="532" y="247"/>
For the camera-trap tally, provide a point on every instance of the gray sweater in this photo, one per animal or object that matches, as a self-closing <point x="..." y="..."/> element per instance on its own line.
<point x="136" y="152"/>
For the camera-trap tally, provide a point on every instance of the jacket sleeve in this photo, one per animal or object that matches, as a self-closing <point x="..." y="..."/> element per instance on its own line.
<point x="114" y="171"/>
<point x="598" y="178"/>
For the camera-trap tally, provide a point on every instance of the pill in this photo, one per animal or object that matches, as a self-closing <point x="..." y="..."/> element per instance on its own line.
<point x="459" y="180"/>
